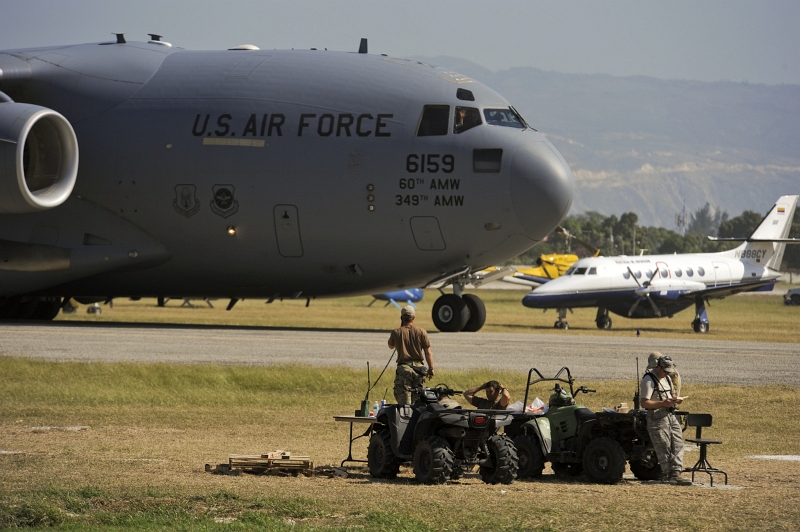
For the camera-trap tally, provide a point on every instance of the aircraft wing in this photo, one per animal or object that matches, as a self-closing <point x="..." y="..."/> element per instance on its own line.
<point x="715" y="292"/>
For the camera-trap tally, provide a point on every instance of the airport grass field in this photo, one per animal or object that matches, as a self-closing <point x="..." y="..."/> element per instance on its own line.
<point x="117" y="446"/>
<point x="88" y="446"/>
<point x="748" y="317"/>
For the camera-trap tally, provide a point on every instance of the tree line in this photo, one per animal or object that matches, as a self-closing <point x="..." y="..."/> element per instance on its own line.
<point x="623" y="236"/>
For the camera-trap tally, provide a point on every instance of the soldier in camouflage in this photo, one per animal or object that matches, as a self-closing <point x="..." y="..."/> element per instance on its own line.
<point x="412" y="346"/>
<point x="660" y="399"/>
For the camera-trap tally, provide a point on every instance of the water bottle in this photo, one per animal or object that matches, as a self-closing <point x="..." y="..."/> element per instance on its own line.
<point x="376" y="408"/>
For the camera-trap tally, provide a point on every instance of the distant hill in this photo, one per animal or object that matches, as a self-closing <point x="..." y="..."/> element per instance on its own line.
<point x="647" y="145"/>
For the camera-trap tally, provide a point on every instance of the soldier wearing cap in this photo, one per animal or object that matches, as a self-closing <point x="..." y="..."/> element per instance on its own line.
<point x="660" y="399"/>
<point x="413" y="347"/>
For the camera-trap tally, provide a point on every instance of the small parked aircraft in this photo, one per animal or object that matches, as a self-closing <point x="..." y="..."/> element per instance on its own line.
<point x="671" y="283"/>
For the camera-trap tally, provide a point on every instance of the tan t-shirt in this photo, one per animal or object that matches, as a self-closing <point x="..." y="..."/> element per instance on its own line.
<point x="410" y="342"/>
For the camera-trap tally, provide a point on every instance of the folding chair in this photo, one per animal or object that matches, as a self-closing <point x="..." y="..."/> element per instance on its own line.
<point x="702" y="466"/>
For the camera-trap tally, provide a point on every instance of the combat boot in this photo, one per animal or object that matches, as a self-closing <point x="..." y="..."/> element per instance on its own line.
<point x="676" y="478"/>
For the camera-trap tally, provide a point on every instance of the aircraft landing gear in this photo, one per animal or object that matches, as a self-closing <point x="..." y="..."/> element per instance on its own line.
<point x="452" y="313"/>
<point x="560" y="322"/>
<point x="700" y="323"/>
<point x="29" y="308"/>
<point x="458" y="312"/>
<point x="603" y="320"/>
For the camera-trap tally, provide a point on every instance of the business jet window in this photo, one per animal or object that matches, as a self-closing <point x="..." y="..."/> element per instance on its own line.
<point x="504" y="117"/>
<point x="664" y="273"/>
<point x="592" y="271"/>
<point x="626" y="275"/>
<point x="678" y="272"/>
<point x="689" y="272"/>
<point x="648" y="274"/>
<point x="701" y="272"/>
<point x="638" y="274"/>
<point x="435" y="120"/>
<point x="580" y="271"/>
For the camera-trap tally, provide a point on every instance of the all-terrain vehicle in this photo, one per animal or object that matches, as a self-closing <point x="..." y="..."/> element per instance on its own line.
<point x="441" y="441"/>
<point x="576" y="440"/>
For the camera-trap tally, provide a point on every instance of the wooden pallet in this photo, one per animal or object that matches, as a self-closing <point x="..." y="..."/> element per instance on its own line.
<point x="280" y="462"/>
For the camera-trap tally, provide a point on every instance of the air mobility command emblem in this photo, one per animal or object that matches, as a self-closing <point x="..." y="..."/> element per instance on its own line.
<point x="185" y="201"/>
<point x="224" y="204"/>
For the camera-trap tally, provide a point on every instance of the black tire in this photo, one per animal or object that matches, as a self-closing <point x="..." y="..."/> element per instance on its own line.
<point x="450" y="313"/>
<point x="47" y="309"/>
<point x="503" y="459"/>
<point x="565" y="325"/>
<point x="433" y="461"/>
<point x="530" y="456"/>
<point x="795" y="299"/>
<point x="700" y="327"/>
<point x="566" y="470"/>
<point x="604" y="461"/>
<point x="604" y="323"/>
<point x="380" y="458"/>
<point x="648" y="468"/>
<point x="477" y="313"/>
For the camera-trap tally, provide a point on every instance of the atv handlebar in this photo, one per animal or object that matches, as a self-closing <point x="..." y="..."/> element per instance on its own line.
<point x="584" y="389"/>
<point x="435" y="393"/>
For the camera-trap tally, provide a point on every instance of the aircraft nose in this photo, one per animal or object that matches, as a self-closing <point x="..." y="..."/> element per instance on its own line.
<point x="541" y="188"/>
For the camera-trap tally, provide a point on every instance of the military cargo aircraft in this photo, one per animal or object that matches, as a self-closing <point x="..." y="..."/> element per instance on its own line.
<point x="671" y="283"/>
<point x="140" y="169"/>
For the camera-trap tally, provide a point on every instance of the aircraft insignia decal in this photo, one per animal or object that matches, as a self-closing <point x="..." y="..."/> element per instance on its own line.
<point x="224" y="204"/>
<point x="185" y="201"/>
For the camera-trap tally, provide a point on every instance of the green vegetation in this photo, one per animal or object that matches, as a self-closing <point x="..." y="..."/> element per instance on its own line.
<point x="623" y="236"/>
<point x="152" y="427"/>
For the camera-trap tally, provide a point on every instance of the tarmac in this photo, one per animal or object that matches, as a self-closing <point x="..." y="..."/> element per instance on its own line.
<point x="588" y="357"/>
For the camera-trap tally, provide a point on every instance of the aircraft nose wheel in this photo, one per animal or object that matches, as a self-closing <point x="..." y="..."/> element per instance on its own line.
<point x="560" y="324"/>
<point x="450" y="313"/>
<point x="699" y="326"/>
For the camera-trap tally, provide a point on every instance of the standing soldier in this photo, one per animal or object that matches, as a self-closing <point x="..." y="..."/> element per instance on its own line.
<point x="412" y="345"/>
<point x="659" y="398"/>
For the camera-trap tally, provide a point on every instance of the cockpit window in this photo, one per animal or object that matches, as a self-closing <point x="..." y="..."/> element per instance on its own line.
<point x="569" y="272"/>
<point x="504" y="117"/>
<point x="580" y="271"/>
<point x="466" y="118"/>
<point x="592" y="271"/>
<point x="435" y="120"/>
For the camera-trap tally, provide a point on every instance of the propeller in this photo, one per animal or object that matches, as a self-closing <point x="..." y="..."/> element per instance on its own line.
<point x="644" y="293"/>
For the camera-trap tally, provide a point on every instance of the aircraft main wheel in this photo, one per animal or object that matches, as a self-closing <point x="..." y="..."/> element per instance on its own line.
<point x="531" y="458"/>
<point x="380" y="458"/>
<point x="450" y="313"/>
<point x="699" y="326"/>
<point x="47" y="309"/>
<point x="604" y="323"/>
<point x="433" y="460"/>
<point x="604" y="461"/>
<point x="503" y="461"/>
<point x="477" y="313"/>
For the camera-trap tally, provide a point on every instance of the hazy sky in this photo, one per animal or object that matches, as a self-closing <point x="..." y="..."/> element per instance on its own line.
<point x="732" y="40"/>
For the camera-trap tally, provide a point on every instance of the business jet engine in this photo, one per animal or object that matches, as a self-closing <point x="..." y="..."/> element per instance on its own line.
<point x="38" y="158"/>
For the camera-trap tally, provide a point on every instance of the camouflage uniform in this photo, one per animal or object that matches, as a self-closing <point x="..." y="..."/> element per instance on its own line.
<point x="411" y="343"/>
<point x="663" y="426"/>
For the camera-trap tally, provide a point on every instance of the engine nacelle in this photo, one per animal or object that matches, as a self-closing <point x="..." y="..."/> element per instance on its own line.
<point x="38" y="158"/>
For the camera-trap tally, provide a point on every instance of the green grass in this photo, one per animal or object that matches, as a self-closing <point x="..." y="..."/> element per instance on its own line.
<point x="152" y="427"/>
<point x="742" y="317"/>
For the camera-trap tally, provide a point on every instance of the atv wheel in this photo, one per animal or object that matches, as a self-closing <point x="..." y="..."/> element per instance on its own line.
<point x="531" y="458"/>
<point x="433" y="461"/>
<point x="566" y="470"/>
<point x="380" y="458"/>
<point x="604" y="461"/>
<point x="502" y="466"/>
<point x="647" y="468"/>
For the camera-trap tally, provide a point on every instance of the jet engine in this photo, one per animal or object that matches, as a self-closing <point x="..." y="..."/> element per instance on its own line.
<point x="38" y="158"/>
